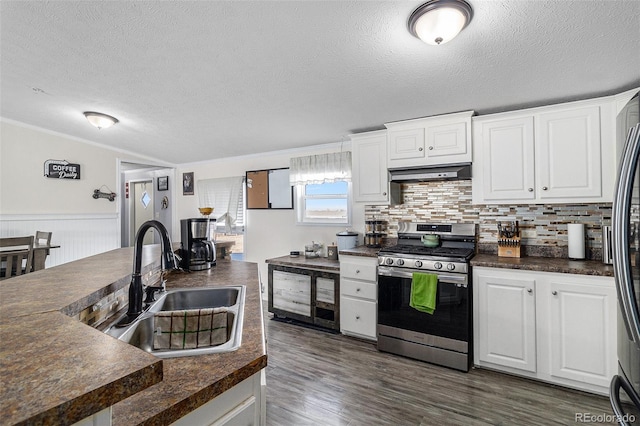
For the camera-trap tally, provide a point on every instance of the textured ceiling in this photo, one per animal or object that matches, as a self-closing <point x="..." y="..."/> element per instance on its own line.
<point x="194" y="80"/>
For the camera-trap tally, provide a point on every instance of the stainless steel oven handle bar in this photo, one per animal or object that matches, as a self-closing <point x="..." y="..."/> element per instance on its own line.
<point x="442" y="278"/>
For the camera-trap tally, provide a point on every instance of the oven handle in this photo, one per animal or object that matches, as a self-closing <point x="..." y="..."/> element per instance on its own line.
<point x="442" y="278"/>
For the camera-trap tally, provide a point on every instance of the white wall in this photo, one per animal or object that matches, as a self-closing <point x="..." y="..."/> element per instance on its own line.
<point x="269" y="233"/>
<point x="30" y="202"/>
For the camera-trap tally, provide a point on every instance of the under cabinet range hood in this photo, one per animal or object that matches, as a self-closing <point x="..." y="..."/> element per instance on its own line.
<point x="433" y="173"/>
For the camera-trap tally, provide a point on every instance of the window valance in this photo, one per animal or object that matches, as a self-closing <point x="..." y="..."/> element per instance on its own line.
<point x="322" y="168"/>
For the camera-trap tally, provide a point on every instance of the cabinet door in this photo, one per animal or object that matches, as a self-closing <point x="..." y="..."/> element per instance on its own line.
<point x="326" y="290"/>
<point x="506" y="319"/>
<point x="448" y="140"/>
<point x="292" y="292"/>
<point x="406" y="144"/>
<point x="508" y="159"/>
<point x="581" y="334"/>
<point x="358" y="317"/>
<point x="568" y="163"/>
<point x="370" y="176"/>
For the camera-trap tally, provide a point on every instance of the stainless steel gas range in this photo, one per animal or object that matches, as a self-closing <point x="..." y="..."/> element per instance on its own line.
<point x="444" y="337"/>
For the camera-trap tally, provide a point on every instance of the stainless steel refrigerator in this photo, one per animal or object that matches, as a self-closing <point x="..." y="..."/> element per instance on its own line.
<point x="625" y="224"/>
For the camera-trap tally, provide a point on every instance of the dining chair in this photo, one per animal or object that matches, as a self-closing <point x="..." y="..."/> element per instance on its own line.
<point x="43" y="237"/>
<point x="16" y="256"/>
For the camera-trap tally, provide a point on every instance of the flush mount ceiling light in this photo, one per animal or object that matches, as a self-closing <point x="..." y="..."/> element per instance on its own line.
<point x="99" y="120"/>
<point x="438" y="21"/>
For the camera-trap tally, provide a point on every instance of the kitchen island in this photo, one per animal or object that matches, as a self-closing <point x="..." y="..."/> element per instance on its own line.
<point x="57" y="370"/>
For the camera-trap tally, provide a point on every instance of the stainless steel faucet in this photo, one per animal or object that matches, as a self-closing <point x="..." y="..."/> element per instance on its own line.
<point x="167" y="261"/>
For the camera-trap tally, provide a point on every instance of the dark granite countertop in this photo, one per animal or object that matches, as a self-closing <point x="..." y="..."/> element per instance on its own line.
<point x="362" y="251"/>
<point x="544" y="264"/>
<point x="57" y="370"/>
<point x="318" y="263"/>
<point x="323" y="263"/>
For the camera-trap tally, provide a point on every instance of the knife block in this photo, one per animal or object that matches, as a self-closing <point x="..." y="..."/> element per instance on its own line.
<point x="509" y="247"/>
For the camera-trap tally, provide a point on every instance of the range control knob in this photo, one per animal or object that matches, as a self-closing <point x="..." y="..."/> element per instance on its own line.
<point x="437" y="265"/>
<point x="400" y="262"/>
<point x="451" y="266"/>
<point x="389" y="261"/>
<point x="418" y="263"/>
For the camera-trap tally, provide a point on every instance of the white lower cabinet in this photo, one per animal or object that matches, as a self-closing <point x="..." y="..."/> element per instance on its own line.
<point x="358" y="296"/>
<point x="506" y="320"/>
<point x="242" y="405"/>
<point x="560" y="328"/>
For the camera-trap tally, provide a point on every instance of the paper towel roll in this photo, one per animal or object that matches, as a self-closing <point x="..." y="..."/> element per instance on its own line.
<point x="576" y="240"/>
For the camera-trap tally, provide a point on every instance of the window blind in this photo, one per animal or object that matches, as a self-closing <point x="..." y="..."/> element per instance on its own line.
<point x="225" y="195"/>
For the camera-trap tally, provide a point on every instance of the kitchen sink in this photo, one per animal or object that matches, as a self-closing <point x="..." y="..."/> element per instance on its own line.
<point x="141" y="332"/>
<point x="198" y="298"/>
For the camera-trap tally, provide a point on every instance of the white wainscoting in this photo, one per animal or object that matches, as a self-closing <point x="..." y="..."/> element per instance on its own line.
<point x="77" y="235"/>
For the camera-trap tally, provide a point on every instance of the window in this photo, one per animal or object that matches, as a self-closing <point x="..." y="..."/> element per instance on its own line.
<point x="324" y="203"/>
<point x="323" y="188"/>
<point x="226" y="196"/>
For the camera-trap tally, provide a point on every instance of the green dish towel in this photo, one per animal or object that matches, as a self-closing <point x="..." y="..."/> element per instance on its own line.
<point x="424" y="288"/>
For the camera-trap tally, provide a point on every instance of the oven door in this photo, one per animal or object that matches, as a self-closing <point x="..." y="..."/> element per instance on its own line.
<point x="451" y="318"/>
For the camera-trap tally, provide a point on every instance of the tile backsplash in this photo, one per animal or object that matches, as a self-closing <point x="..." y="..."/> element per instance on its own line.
<point x="450" y="202"/>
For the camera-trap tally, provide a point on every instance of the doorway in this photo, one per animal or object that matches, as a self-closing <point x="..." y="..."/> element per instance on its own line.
<point x="141" y="209"/>
<point x="135" y="181"/>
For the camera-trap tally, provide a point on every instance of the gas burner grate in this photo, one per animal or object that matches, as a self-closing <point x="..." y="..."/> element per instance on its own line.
<point x="458" y="252"/>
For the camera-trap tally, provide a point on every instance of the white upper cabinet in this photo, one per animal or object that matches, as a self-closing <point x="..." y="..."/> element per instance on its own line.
<point x="406" y="145"/>
<point x="443" y="139"/>
<point x="556" y="154"/>
<point x="507" y="153"/>
<point x="370" y="178"/>
<point x="568" y="154"/>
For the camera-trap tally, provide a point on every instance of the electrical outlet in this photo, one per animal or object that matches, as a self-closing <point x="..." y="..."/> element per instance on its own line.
<point x="528" y="233"/>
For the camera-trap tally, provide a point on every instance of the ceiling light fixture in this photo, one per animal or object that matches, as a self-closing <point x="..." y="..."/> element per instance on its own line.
<point x="438" y="21"/>
<point x="99" y="120"/>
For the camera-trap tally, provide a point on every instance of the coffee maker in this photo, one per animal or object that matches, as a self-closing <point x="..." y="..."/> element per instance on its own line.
<point x="198" y="249"/>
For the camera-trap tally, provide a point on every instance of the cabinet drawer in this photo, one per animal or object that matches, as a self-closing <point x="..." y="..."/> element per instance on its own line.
<point x="358" y="317"/>
<point x="360" y="268"/>
<point x="361" y="289"/>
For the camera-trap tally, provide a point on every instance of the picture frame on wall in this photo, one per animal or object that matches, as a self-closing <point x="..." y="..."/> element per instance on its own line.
<point x="187" y="183"/>
<point x="163" y="183"/>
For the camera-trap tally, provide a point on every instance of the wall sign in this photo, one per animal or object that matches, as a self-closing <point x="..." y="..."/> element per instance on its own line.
<point x="57" y="169"/>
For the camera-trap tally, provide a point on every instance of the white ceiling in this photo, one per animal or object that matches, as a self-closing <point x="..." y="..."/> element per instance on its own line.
<point x="195" y="80"/>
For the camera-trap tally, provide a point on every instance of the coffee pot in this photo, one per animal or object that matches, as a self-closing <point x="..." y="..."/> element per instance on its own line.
<point x="198" y="249"/>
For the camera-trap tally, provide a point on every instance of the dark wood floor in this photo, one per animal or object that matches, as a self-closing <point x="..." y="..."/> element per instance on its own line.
<point x="319" y="378"/>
